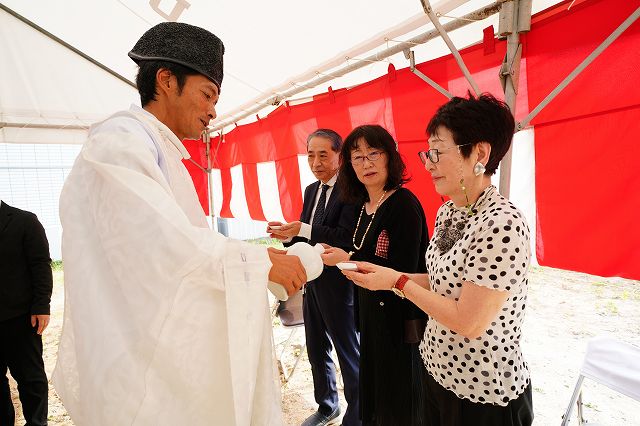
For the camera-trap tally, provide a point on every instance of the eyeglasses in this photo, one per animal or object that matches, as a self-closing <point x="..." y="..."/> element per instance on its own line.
<point x="434" y="154"/>
<point x="372" y="156"/>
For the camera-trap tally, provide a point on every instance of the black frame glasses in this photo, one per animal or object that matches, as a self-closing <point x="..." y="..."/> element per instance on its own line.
<point x="433" y="154"/>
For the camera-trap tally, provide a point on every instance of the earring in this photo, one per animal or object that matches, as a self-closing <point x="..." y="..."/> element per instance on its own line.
<point x="478" y="169"/>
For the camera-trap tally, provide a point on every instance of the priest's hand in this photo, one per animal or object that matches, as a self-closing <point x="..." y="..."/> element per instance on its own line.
<point x="286" y="270"/>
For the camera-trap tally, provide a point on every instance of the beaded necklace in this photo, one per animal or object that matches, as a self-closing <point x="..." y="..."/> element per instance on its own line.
<point x="368" y="226"/>
<point x="448" y="234"/>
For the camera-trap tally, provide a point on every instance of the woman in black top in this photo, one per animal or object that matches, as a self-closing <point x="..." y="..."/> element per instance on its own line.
<point x="391" y="230"/>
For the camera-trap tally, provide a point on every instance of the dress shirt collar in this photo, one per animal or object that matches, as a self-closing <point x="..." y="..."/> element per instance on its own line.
<point x="331" y="182"/>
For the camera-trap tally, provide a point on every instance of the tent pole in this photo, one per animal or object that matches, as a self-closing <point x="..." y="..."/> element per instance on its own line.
<point x="454" y="51"/>
<point x="515" y="17"/>
<point x="258" y="104"/>
<point x="206" y="138"/>
<point x="409" y="54"/>
<point x="614" y="35"/>
<point x="43" y="126"/>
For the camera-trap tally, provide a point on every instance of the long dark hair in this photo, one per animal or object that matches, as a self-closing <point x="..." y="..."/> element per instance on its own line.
<point x="351" y="189"/>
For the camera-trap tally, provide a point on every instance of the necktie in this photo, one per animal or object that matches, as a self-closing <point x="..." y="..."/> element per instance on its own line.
<point x="319" y="214"/>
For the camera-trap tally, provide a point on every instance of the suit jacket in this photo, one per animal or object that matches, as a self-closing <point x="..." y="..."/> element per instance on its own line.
<point x="26" y="279"/>
<point x="336" y="229"/>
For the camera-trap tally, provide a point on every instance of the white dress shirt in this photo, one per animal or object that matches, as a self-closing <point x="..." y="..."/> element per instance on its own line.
<point x="305" y="228"/>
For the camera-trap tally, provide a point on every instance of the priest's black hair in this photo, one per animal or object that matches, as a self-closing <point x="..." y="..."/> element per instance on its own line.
<point x="146" y="79"/>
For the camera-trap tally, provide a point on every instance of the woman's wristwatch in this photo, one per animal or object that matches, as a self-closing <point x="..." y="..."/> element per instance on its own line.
<point x="399" y="286"/>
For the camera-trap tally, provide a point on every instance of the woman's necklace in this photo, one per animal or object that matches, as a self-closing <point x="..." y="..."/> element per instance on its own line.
<point x="448" y="235"/>
<point x="358" y="247"/>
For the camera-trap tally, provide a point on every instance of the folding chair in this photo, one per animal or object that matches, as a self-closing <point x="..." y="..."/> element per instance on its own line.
<point x="290" y="314"/>
<point x="609" y="362"/>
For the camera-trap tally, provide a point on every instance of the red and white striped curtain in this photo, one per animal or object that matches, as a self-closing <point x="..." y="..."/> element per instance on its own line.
<point x="575" y="173"/>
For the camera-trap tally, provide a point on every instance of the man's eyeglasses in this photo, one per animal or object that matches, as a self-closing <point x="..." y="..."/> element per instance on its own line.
<point x="434" y="154"/>
<point x="372" y="156"/>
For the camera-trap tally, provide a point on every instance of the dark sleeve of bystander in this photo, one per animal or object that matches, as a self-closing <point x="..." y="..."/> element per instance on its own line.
<point x="36" y="252"/>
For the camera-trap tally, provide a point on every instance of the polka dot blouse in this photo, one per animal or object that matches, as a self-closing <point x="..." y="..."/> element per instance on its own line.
<point x="492" y="251"/>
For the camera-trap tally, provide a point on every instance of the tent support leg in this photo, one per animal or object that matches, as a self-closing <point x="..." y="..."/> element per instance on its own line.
<point x="454" y="51"/>
<point x="409" y="54"/>
<point x="206" y="138"/>
<point x="515" y="17"/>
<point x="614" y="35"/>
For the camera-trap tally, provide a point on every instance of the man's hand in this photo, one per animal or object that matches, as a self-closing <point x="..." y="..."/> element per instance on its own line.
<point x="276" y="233"/>
<point x="290" y="230"/>
<point x="286" y="270"/>
<point x="42" y="321"/>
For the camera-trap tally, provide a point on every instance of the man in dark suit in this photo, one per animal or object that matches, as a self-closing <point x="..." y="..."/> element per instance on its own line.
<point x="328" y="300"/>
<point x="26" y="283"/>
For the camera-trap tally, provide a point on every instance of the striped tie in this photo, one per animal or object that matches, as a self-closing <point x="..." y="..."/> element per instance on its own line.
<point x="319" y="214"/>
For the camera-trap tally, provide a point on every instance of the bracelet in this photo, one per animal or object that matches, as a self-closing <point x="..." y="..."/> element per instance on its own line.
<point x="398" y="287"/>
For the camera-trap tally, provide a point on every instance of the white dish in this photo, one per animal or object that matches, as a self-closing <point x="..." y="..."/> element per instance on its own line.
<point x="347" y="266"/>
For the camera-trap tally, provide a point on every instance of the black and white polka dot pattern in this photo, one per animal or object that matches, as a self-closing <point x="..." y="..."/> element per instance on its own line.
<point x="494" y="252"/>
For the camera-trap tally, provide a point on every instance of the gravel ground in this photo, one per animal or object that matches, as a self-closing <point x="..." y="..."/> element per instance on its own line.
<point x="565" y="309"/>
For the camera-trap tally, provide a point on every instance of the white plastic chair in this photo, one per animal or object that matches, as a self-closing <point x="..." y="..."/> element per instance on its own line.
<point x="609" y="362"/>
<point x="291" y="317"/>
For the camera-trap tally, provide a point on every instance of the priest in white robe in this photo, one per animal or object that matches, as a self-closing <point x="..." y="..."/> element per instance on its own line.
<point x="166" y="322"/>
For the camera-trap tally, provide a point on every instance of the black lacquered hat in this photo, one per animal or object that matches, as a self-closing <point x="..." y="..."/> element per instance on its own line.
<point x="183" y="44"/>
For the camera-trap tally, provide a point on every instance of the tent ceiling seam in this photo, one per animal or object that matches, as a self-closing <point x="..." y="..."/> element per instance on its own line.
<point x="67" y="45"/>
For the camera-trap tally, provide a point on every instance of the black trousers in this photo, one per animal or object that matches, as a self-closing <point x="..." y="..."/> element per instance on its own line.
<point x="21" y="353"/>
<point x="329" y="318"/>
<point x="444" y="408"/>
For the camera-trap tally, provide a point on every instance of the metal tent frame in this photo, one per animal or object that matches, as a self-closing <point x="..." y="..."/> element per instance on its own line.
<point x="514" y="19"/>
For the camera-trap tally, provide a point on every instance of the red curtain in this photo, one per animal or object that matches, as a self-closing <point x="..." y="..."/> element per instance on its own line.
<point x="197" y="149"/>
<point x="586" y="140"/>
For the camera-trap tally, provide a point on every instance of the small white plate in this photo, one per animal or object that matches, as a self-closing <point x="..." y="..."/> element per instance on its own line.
<point x="347" y="266"/>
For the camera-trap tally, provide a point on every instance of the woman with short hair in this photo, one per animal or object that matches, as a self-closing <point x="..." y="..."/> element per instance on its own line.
<point x="475" y="288"/>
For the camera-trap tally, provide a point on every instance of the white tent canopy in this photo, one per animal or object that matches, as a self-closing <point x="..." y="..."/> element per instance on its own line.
<point x="268" y="45"/>
<point x="50" y="94"/>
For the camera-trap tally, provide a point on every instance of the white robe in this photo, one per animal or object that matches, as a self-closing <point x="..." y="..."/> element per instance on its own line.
<point x="166" y="322"/>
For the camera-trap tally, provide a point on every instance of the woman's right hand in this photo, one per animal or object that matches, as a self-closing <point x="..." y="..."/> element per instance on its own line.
<point x="334" y="255"/>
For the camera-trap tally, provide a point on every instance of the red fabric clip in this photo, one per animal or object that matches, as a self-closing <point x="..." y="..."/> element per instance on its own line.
<point x="332" y="96"/>
<point x="391" y="72"/>
<point x="488" y="40"/>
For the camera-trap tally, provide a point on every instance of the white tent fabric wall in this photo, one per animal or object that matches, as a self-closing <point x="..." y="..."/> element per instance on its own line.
<point x="49" y="95"/>
<point x="31" y="178"/>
